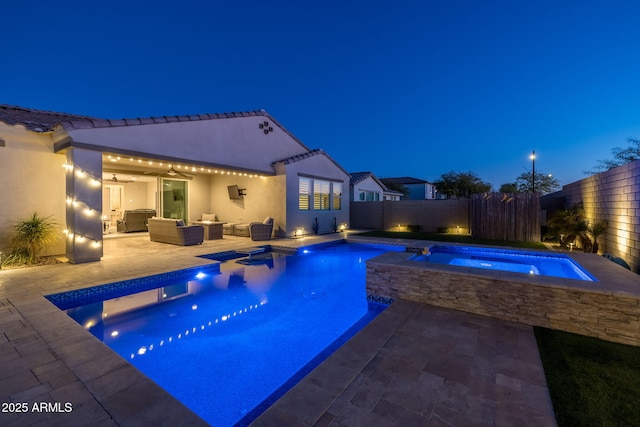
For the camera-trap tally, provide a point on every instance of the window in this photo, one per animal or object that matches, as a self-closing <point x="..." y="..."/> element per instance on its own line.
<point x="321" y="195"/>
<point x="369" y="196"/>
<point x="337" y="196"/>
<point x="327" y="195"/>
<point x="304" y="192"/>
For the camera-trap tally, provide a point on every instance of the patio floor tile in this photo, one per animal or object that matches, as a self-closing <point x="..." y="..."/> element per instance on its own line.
<point x="412" y="365"/>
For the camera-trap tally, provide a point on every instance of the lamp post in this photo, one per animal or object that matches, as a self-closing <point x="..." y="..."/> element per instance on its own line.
<point x="533" y="171"/>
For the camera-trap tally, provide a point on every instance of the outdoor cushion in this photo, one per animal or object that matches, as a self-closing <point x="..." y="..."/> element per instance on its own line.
<point x="134" y="220"/>
<point x="209" y="217"/>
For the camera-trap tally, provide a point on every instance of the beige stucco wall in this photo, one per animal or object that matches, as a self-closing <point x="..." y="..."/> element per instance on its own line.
<point x="136" y="195"/>
<point x="237" y="141"/>
<point x="264" y="197"/>
<point x="34" y="181"/>
<point x="321" y="167"/>
<point x="199" y="198"/>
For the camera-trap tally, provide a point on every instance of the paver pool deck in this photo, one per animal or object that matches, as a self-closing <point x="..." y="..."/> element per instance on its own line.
<point x="413" y="365"/>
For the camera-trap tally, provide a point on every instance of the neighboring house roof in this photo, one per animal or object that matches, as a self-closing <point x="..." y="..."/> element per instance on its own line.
<point x="36" y="120"/>
<point x="357" y="177"/>
<point x="403" y="180"/>
<point x="46" y="121"/>
<point x="306" y="155"/>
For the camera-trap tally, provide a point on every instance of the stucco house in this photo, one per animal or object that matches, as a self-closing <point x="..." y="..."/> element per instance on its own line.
<point x="419" y="189"/>
<point x="86" y="171"/>
<point x="366" y="187"/>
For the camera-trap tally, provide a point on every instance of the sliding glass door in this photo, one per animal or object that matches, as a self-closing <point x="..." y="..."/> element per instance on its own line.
<point x="173" y="199"/>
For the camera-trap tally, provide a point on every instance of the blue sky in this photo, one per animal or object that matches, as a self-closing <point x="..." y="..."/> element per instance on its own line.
<point x="415" y="88"/>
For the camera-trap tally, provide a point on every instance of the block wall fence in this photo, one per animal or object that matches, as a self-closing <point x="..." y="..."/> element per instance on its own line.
<point x="430" y="215"/>
<point x="614" y="197"/>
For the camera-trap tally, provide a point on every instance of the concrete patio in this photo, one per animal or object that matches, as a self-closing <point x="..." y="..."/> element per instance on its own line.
<point x="413" y="365"/>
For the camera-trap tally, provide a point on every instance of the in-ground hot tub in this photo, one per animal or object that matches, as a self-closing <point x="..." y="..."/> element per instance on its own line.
<point x="603" y="300"/>
<point x="527" y="262"/>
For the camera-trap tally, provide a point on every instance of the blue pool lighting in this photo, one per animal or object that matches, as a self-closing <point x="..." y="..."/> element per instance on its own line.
<point x="230" y="343"/>
<point x="516" y="261"/>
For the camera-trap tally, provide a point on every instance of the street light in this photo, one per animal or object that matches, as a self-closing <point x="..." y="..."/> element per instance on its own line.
<point x="533" y="171"/>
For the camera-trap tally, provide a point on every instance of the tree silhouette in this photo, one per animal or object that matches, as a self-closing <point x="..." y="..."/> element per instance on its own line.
<point x="621" y="156"/>
<point x="545" y="183"/>
<point x="457" y="185"/>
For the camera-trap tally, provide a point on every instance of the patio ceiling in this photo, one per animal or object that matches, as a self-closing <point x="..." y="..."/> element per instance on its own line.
<point x="136" y="168"/>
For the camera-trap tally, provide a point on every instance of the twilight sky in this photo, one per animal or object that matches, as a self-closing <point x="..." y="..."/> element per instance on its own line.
<point x="398" y="88"/>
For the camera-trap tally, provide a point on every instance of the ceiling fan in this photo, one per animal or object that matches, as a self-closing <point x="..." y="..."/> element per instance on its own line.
<point x="171" y="173"/>
<point x="115" y="179"/>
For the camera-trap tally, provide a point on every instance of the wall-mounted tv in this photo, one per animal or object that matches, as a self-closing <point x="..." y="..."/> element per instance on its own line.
<point x="235" y="192"/>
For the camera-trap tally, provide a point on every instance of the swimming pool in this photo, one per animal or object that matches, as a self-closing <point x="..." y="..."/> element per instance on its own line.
<point x="517" y="261"/>
<point x="228" y="343"/>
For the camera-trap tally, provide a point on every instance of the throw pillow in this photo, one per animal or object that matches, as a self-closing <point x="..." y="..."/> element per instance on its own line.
<point x="209" y="217"/>
<point x="180" y="223"/>
<point x="268" y="220"/>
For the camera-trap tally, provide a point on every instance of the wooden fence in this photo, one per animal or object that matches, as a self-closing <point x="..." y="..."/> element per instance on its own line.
<point x="502" y="216"/>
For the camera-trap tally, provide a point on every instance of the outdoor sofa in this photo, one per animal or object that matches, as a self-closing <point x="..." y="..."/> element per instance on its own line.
<point x="256" y="230"/>
<point x="174" y="231"/>
<point x="135" y="220"/>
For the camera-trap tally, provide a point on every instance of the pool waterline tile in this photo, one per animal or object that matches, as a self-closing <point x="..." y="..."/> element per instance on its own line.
<point x="69" y="300"/>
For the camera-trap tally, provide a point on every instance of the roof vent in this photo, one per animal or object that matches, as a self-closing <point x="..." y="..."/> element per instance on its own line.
<point x="265" y="127"/>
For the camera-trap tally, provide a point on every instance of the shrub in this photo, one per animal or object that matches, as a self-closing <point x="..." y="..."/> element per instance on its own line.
<point x="32" y="234"/>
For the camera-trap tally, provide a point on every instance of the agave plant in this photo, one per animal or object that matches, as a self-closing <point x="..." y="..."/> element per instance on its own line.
<point x="32" y="234"/>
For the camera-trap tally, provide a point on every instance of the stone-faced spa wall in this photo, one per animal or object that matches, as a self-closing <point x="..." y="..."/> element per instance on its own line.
<point x="609" y="309"/>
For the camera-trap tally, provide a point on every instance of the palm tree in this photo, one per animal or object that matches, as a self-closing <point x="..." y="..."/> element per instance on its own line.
<point x="596" y="230"/>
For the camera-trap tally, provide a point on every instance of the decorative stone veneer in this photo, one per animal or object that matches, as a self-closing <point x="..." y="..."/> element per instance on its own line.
<point x="607" y="309"/>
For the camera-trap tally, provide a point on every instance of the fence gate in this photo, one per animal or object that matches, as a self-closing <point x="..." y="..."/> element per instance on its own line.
<point x="504" y="216"/>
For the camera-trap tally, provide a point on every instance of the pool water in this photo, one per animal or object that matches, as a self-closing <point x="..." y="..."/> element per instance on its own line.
<point x="227" y="344"/>
<point x="527" y="262"/>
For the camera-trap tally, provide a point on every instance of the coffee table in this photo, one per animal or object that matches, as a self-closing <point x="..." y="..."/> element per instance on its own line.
<point x="212" y="230"/>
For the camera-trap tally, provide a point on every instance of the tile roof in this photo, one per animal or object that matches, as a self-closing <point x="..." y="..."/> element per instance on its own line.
<point x="46" y="121"/>
<point x="406" y="180"/>
<point x="299" y="157"/>
<point x="357" y="177"/>
<point x="306" y="155"/>
<point x="36" y="120"/>
<point x="103" y="123"/>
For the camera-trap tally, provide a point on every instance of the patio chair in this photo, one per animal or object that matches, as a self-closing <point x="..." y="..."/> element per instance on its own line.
<point x="255" y="230"/>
